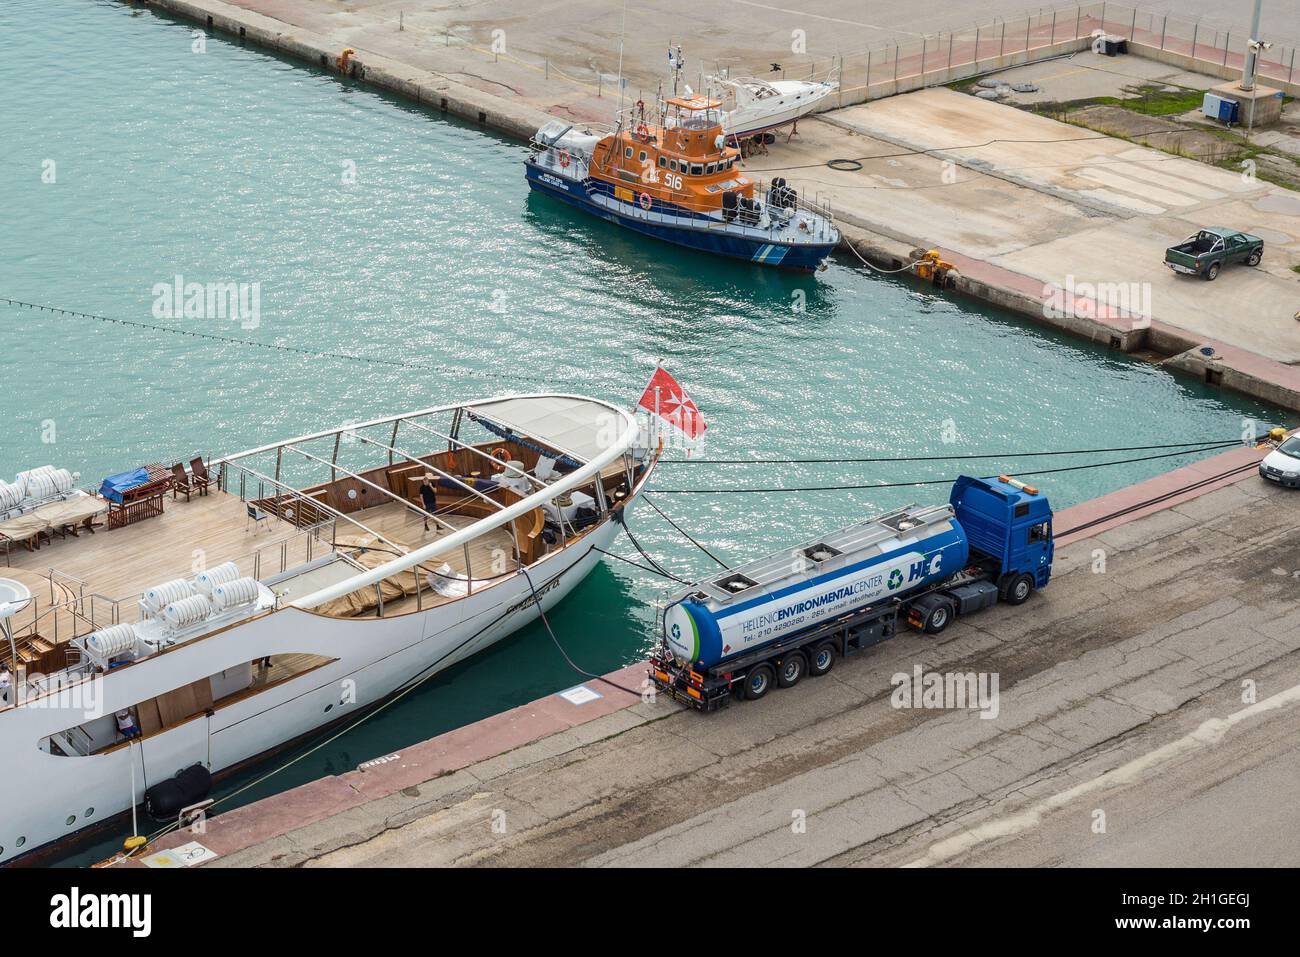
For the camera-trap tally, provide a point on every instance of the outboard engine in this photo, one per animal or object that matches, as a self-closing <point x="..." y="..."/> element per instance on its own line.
<point x="165" y="800"/>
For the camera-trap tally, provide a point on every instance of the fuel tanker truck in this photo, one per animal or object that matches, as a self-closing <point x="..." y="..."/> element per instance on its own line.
<point x="776" y="619"/>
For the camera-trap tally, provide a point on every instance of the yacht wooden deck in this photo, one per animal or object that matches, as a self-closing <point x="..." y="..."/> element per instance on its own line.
<point x="120" y="564"/>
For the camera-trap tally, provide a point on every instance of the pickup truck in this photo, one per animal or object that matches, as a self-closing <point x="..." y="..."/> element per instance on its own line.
<point x="1206" y="252"/>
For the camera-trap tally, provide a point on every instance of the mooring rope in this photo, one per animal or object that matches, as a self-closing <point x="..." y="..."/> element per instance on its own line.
<point x="880" y="485"/>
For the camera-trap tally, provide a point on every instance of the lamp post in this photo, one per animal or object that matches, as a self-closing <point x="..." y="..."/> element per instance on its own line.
<point x="1253" y="46"/>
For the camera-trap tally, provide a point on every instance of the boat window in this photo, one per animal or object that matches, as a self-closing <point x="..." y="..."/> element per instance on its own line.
<point x="627" y="152"/>
<point x="181" y="704"/>
<point x="663" y="161"/>
<point x="641" y="157"/>
<point x="697" y="169"/>
<point x="711" y="168"/>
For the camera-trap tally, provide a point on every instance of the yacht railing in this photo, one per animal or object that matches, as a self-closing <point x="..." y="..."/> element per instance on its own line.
<point x="312" y="533"/>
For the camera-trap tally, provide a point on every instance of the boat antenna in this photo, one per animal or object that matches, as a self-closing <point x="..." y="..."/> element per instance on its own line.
<point x="622" y="34"/>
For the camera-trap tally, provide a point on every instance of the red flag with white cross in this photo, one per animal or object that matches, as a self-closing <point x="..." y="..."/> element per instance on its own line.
<point x="664" y="397"/>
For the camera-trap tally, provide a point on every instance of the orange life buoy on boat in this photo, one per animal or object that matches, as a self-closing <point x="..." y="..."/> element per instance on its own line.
<point x="643" y="132"/>
<point x="645" y="201"/>
<point x="564" y="159"/>
<point x="502" y="456"/>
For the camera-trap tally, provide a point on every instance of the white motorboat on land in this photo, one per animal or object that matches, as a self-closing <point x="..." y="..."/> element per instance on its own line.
<point x="752" y="105"/>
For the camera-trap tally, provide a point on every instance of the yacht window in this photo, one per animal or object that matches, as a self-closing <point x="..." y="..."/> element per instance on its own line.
<point x="711" y="168"/>
<point x="627" y="152"/>
<point x="663" y="161"/>
<point x="641" y="157"/>
<point x="697" y="169"/>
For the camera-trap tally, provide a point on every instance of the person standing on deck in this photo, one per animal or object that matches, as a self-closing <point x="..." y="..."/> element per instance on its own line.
<point x="429" y="497"/>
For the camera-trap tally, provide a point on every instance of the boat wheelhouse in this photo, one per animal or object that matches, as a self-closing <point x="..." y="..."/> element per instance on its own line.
<point x="302" y="582"/>
<point x="675" y="177"/>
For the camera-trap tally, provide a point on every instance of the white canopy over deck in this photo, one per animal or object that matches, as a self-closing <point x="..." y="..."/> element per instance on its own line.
<point x="592" y="432"/>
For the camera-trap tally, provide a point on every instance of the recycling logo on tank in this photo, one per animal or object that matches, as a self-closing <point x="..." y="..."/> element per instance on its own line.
<point x="895" y="578"/>
<point x="677" y="630"/>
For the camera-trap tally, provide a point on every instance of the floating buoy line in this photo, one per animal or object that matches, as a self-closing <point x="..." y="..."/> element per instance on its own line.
<point x="280" y="347"/>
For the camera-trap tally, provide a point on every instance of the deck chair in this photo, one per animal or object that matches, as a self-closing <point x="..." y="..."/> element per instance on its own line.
<point x="201" y="479"/>
<point x="256" y="515"/>
<point x="181" y="482"/>
<point x="545" y="468"/>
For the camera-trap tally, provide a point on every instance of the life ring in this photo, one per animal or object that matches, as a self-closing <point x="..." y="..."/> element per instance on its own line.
<point x="643" y="132"/>
<point x="564" y="159"/>
<point x="502" y="456"/>
<point x="645" y="201"/>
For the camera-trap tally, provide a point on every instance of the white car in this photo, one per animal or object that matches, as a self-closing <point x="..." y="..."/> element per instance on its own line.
<point x="1282" y="465"/>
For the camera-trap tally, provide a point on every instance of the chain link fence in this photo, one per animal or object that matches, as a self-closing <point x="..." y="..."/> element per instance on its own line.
<point x="951" y="56"/>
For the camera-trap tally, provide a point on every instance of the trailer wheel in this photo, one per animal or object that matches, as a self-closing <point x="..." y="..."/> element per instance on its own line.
<point x="1019" y="590"/>
<point x="822" y="660"/>
<point x="1212" y="273"/>
<point x="758" y="682"/>
<point x="939" y="618"/>
<point x="793" y="666"/>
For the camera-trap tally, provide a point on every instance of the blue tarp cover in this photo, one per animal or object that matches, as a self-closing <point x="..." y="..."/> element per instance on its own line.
<point x="115" y="485"/>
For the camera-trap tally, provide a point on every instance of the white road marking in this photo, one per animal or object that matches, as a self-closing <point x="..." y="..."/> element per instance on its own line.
<point x="1163" y="177"/>
<point x="1209" y="733"/>
<point x="1122" y="182"/>
<point x="1123" y="199"/>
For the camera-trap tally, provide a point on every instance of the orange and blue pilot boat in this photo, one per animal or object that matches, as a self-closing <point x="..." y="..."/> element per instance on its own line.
<point x="678" y="180"/>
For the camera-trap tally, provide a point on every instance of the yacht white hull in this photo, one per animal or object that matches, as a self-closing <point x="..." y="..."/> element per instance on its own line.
<point x="48" y="798"/>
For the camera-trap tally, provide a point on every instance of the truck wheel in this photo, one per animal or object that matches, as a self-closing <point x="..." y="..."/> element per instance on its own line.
<point x="1255" y="257"/>
<point x="758" y="682"/>
<point x="1212" y="273"/>
<point x="822" y="660"/>
<point x="1019" y="590"/>
<point x="791" y="670"/>
<point x="938" y="619"/>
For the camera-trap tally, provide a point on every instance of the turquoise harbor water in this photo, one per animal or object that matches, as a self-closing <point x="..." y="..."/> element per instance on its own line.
<point x="231" y="165"/>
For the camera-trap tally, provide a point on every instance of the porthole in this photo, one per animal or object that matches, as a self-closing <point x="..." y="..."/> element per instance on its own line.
<point x="72" y="819"/>
<point x="20" y="842"/>
<point x="328" y="707"/>
<point x="90" y="811"/>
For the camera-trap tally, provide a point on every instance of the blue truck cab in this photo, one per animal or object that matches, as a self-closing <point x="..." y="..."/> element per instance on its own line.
<point x="1009" y="527"/>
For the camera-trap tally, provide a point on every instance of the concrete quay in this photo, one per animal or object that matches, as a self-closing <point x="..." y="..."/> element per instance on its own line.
<point x="1152" y="623"/>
